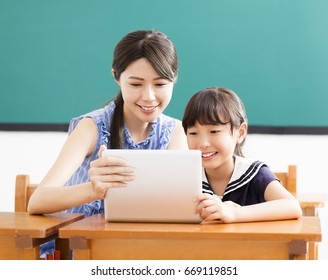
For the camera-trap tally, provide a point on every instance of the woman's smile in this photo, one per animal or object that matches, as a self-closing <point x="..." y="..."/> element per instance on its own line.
<point x="148" y="109"/>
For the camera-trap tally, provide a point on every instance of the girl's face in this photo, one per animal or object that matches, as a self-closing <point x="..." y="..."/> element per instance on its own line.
<point x="145" y="93"/>
<point x="216" y="142"/>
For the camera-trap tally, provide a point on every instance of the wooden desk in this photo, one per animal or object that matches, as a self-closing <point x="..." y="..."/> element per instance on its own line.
<point x="311" y="202"/>
<point x="94" y="238"/>
<point x="21" y="233"/>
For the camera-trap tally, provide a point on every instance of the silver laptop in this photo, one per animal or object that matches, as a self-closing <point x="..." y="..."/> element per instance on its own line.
<point x="165" y="186"/>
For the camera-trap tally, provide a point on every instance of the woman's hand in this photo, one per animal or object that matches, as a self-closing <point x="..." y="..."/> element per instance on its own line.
<point x="109" y="172"/>
<point x="210" y="207"/>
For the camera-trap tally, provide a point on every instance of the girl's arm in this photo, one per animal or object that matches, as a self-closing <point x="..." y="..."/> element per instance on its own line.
<point x="51" y="195"/>
<point x="279" y="205"/>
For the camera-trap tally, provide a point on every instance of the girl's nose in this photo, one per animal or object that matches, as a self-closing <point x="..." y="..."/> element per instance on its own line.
<point x="203" y="142"/>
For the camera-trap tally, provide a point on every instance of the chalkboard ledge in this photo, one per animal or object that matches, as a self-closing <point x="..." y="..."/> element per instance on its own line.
<point x="253" y="129"/>
<point x="33" y="127"/>
<point x="290" y="130"/>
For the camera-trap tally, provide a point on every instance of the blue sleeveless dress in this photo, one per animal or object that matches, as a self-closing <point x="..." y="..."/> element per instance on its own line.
<point x="159" y="137"/>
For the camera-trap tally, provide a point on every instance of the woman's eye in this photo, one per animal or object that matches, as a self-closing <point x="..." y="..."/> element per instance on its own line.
<point x="192" y="133"/>
<point x="215" y="131"/>
<point x="160" y="84"/>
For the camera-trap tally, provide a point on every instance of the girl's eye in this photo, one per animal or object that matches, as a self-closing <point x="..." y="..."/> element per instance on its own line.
<point x="215" y="131"/>
<point x="192" y="133"/>
<point x="135" y="85"/>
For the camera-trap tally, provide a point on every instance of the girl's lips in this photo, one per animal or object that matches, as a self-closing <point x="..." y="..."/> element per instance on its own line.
<point x="208" y="155"/>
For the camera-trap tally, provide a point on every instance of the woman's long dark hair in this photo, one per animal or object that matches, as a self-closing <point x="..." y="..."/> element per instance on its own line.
<point x="213" y="106"/>
<point x="157" y="48"/>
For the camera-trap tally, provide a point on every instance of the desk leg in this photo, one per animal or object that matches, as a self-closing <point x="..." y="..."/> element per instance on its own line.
<point x="28" y="254"/>
<point x="81" y="248"/>
<point x="313" y="251"/>
<point x="299" y="250"/>
<point x="82" y="255"/>
<point x="62" y="245"/>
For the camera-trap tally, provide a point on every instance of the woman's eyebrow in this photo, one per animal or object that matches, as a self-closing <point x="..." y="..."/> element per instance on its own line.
<point x="135" y="78"/>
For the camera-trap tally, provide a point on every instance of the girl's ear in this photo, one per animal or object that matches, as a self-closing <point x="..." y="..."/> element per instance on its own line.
<point x="242" y="132"/>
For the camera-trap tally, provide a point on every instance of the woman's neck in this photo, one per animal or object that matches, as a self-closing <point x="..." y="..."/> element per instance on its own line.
<point x="139" y="133"/>
<point x="138" y="130"/>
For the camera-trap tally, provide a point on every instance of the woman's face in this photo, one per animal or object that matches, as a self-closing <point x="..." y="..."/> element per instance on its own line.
<point x="145" y="93"/>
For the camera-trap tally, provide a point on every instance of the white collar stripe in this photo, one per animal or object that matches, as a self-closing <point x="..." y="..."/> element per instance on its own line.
<point x="245" y="178"/>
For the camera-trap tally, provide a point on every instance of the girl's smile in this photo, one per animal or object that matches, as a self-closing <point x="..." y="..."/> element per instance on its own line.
<point x="208" y="155"/>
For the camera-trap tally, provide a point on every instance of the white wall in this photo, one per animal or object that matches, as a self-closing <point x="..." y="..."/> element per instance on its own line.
<point x="33" y="153"/>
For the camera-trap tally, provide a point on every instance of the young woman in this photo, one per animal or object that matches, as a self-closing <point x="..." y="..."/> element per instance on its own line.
<point x="145" y="67"/>
<point x="235" y="188"/>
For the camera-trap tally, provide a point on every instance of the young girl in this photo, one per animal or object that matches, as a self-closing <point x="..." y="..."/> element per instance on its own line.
<point x="235" y="188"/>
<point x="145" y="67"/>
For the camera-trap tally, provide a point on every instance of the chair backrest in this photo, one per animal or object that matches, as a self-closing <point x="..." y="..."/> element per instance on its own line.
<point x="24" y="189"/>
<point x="288" y="179"/>
<point x="23" y="192"/>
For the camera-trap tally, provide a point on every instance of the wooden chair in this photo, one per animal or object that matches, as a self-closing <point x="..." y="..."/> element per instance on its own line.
<point x="310" y="202"/>
<point x="288" y="179"/>
<point x="23" y="192"/>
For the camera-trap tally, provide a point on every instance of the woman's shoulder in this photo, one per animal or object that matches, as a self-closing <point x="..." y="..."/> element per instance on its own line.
<point x="165" y="119"/>
<point x="100" y="116"/>
<point x="171" y="131"/>
<point x="101" y="113"/>
<point x="166" y="124"/>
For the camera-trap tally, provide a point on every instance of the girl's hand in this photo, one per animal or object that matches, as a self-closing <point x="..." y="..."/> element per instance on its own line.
<point x="210" y="207"/>
<point x="109" y="172"/>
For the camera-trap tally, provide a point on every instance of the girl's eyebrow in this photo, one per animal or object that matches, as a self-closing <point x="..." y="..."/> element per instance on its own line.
<point x="141" y="79"/>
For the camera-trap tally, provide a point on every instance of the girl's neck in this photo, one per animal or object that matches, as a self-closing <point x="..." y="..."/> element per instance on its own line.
<point x="219" y="177"/>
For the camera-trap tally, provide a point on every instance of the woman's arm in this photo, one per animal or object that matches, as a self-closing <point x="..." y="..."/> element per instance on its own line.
<point x="51" y="195"/>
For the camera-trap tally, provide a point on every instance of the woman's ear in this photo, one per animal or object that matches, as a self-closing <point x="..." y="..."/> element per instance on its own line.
<point x="113" y="73"/>
<point x="242" y="132"/>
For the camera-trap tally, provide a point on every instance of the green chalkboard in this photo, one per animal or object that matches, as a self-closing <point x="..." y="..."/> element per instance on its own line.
<point x="55" y="56"/>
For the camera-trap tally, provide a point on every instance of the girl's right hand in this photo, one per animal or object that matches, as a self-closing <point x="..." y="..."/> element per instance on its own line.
<point x="109" y="172"/>
<point x="211" y="207"/>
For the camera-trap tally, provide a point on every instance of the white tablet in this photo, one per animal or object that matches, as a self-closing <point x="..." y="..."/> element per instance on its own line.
<point x="165" y="186"/>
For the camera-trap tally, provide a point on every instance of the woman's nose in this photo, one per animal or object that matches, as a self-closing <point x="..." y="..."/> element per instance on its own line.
<point x="148" y="94"/>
